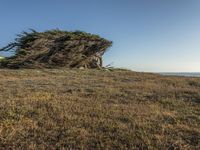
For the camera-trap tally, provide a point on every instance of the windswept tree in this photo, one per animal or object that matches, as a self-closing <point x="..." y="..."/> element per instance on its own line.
<point x="56" y="48"/>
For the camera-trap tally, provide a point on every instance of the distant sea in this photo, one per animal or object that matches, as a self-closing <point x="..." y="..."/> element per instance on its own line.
<point x="190" y="74"/>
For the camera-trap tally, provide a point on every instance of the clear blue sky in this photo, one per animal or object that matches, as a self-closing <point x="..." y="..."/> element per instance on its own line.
<point x="148" y="35"/>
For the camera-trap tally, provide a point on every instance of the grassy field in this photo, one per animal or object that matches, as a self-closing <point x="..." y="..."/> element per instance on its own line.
<point x="96" y="109"/>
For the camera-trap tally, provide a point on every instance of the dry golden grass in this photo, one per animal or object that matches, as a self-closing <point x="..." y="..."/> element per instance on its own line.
<point x="96" y="109"/>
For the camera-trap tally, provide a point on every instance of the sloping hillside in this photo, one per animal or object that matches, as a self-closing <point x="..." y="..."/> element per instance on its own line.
<point x="96" y="109"/>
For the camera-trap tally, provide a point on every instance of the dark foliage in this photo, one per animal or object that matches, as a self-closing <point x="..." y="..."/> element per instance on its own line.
<point x="56" y="48"/>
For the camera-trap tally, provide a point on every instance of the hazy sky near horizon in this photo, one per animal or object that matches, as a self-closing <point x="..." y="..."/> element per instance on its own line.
<point x="148" y="35"/>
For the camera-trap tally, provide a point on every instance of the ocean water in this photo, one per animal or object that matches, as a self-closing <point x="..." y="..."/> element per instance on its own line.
<point x="190" y="74"/>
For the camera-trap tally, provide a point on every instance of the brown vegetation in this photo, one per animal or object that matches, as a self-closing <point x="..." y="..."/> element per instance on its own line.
<point x="91" y="109"/>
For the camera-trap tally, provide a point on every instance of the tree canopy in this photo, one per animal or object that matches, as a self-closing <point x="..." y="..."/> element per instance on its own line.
<point x="56" y="48"/>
